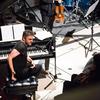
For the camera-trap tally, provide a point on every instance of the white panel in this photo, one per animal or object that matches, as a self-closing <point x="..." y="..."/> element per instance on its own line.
<point x="7" y="33"/>
<point x="18" y="31"/>
<point x="41" y="33"/>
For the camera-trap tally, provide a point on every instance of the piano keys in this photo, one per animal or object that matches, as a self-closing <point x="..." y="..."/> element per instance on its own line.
<point x="40" y="49"/>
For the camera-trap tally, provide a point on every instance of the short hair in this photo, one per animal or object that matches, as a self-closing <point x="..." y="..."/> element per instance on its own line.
<point x="28" y="33"/>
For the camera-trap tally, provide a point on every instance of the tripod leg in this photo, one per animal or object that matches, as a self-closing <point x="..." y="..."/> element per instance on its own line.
<point x="96" y="42"/>
<point x="49" y="84"/>
<point x="90" y="46"/>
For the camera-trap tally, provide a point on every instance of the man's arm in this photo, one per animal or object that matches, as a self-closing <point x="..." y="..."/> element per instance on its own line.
<point x="12" y="55"/>
<point x="30" y="61"/>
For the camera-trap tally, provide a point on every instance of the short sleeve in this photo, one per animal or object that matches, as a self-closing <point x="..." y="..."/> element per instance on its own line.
<point x="21" y="47"/>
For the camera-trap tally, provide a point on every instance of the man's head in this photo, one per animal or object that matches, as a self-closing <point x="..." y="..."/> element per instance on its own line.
<point x="27" y="37"/>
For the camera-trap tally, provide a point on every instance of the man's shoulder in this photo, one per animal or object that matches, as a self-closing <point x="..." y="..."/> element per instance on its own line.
<point x="20" y="45"/>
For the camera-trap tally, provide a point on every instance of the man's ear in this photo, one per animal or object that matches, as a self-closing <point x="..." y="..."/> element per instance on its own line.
<point x="23" y="39"/>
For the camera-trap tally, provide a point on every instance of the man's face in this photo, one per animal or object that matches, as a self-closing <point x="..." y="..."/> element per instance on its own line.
<point x="29" y="40"/>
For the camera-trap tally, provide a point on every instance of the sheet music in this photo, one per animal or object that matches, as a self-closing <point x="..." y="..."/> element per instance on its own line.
<point x="35" y="29"/>
<point x="41" y="33"/>
<point x="18" y="31"/>
<point x="91" y="8"/>
<point x="7" y="33"/>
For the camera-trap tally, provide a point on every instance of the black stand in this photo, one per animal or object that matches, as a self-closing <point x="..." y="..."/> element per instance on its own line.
<point x="90" y="42"/>
<point x="54" y="77"/>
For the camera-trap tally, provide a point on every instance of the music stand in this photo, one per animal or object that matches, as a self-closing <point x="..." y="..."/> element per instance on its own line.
<point x="90" y="42"/>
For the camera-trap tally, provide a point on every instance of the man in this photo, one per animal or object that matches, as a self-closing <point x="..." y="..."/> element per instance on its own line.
<point x="20" y="64"/>
<point x="47" y="13"/>
<point x="89" y="75"/>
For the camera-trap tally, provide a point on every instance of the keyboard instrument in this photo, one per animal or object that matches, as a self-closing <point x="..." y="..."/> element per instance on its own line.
<point x="40" y="49"/>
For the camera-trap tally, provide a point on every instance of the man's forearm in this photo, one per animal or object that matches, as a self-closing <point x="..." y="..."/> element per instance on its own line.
<point x="29" y="59"/>
<point x="10" y="62"/>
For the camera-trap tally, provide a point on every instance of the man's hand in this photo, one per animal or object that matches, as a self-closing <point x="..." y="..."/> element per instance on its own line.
<point x="13" y="77"/>
<point x="33" y="65"/>
<point x="29" y="59"/>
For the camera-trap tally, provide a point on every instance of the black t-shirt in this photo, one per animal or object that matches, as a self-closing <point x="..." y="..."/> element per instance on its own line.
<point x="46" y="1"/>
<point x="20" y="61"/>
<point x="46" y="5"/>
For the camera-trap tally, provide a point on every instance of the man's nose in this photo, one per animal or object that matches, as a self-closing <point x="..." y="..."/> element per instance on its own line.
<point x="31" y="40"/>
